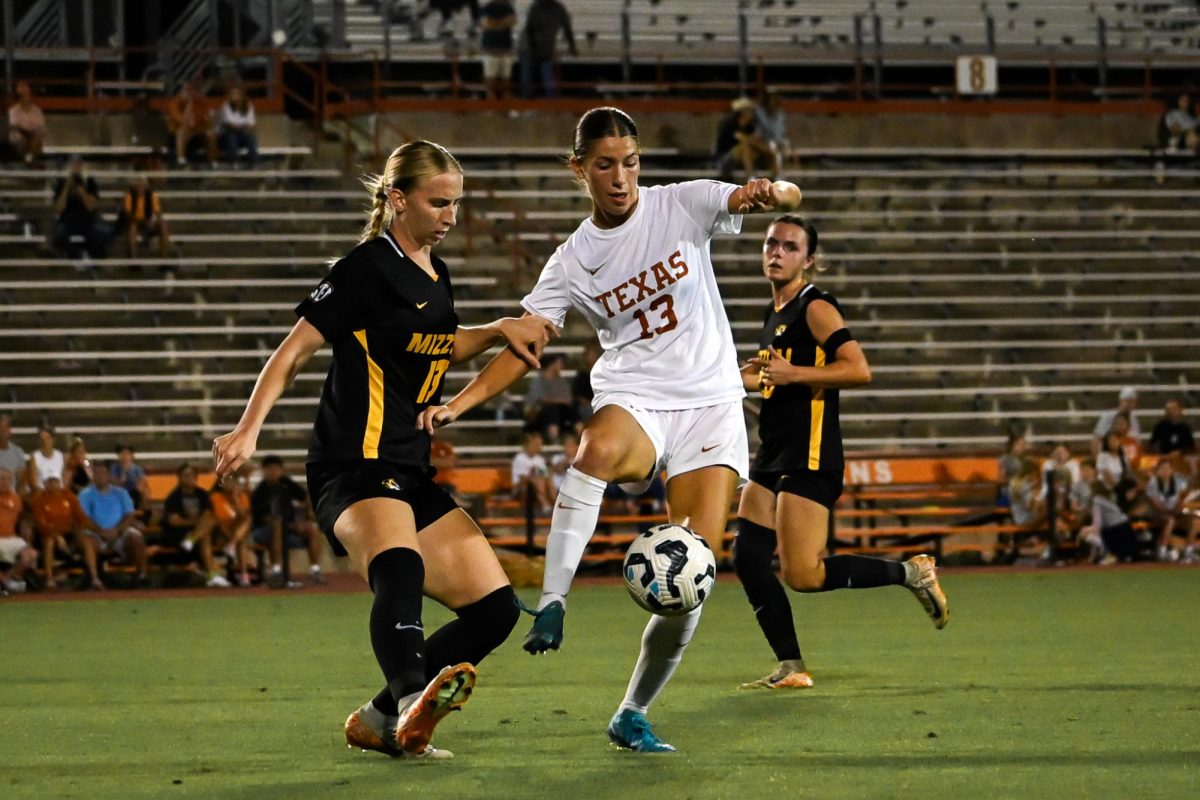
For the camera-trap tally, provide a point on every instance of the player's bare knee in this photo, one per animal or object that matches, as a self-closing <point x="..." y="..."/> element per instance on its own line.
<point x="600" y="459"/>
<point x="803" y="577"/>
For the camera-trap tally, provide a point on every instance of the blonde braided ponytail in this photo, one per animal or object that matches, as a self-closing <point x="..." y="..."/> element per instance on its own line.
<point x="408" y="165"/>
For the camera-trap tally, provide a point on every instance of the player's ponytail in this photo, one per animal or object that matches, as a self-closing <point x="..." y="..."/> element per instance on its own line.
<point x="407" y="166"/>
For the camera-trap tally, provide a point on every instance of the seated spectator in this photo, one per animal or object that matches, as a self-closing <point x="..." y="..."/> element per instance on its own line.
<point x="443" y="458"/>
<point x="1191" y="508"/>
<point x="26" y="125"/>
<point x="282" y="516"/>
<point x="1177" y="129"/>
<point x="76" y="199"/>
<point x="772" y="125"/>
<point x="548" y="402"/>
<point x="1010" y="463"/>
<point x="141" y="218"/>
<point x="235" y="126"/>
<point x="231" y="507"/>
<point x="1172" y="434"/>
<point x="77" y="468"/>
<point x="18" y="556"/>
<point x="130" y="476"/>
<point x="46" y="461"/>
<point x="60" y="523"/>
<point x="1130" y="443"/>
<point x="189" y="524"/>
<point x="12" y="457"/>
<point x="1166" y="491"/>
<point x="739" y="143"/>
<point x="116" y="531"/>
<point x="1117" y="472"/>
<point x="1127" y="405"/>
<point x="1080" y="502"/>
<point x="1109" y="534"/>
<point x="530" y="475"/>
<point x="496" y="42"/>
<point x="188" y="118"/>
<point x="582" y="393"/>
<point x="561" y="462"/>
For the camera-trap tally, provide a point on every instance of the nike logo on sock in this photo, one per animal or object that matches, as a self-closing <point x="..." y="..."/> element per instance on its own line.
<point x="569" y="508"/>
<point x="400" y="626"/>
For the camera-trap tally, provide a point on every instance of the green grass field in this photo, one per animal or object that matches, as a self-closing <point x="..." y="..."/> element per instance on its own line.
<point x="1045" y="684"/>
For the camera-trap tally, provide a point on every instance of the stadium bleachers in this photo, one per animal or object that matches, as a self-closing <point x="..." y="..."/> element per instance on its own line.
<point x="1022" y="291"/>
<point x="708" y="29"/>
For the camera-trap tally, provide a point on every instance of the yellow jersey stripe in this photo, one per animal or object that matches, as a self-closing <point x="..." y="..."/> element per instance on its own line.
<point x="817" y="419"/>
<point x="370" y="446"/>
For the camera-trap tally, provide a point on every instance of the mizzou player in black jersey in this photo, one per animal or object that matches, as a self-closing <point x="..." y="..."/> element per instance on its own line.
<point x="806" y="355"/>
<point x="388" y="310"/>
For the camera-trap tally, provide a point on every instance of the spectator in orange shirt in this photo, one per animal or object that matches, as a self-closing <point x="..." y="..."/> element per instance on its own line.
<point x="16" y="555"/>
<point x="187" y="117"/>
<point x="142" y="219"/>
<point x="57" y="515"/>
<point x="26" y="125"/>
<point x="231" y="507"/>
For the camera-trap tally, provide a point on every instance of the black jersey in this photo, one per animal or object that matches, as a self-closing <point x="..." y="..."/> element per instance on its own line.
<point x="392" y="329"/>
<point x="798" y="426"/>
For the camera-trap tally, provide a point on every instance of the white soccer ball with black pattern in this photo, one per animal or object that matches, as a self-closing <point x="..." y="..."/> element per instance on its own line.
<point x="669" y="570"/>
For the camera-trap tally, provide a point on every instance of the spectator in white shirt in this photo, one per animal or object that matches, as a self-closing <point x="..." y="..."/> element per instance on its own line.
<point x="47" y="461"/>
<point x="235" y="125"/>
<point x="1165" y="490"/>
<point x="530" y="473"/>
<point x="1126" y="404"/>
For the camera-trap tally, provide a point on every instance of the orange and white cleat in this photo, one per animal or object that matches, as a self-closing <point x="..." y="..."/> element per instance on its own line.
<point x="445" y="693"/>
<point x="925" y="587"/>
<point x="368" y="728"/>
<point x="788" y="675"/>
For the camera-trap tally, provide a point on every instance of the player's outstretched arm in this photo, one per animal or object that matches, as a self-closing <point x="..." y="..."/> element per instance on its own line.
<point x="501" y="372"/>
<point x="761" y="196"/>
<point x="526" y="336"/>
<point x="234" y="448"/>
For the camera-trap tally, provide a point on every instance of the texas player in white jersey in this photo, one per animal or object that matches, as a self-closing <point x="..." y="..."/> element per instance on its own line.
<point x="668" y="386"/>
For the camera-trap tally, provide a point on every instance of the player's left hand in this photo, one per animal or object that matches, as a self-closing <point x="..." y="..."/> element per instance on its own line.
<point x="527" y="337"/>
<point x="777" y="371"/>
<point x="435" y="417"/>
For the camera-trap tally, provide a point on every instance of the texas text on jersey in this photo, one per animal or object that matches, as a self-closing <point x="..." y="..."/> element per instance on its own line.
<point x="798" y="424"/>
<point x="392" y="329"/>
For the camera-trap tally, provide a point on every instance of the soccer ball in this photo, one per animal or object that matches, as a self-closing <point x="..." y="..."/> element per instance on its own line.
<point x="669" y="570"/>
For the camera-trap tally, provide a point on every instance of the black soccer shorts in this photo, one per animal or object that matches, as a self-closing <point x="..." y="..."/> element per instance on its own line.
<point x="335" y="486"/>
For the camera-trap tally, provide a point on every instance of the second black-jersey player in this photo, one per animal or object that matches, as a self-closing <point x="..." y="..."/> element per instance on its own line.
<point x="799" y="424"/>
<point x="806" y="355"/>
<point x="387" y="310"/>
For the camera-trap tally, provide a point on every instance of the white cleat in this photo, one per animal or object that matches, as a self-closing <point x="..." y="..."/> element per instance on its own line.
<point x="925" y="587"/>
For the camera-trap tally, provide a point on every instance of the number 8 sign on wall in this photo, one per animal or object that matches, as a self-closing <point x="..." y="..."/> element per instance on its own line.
<point x="976" y="74"/>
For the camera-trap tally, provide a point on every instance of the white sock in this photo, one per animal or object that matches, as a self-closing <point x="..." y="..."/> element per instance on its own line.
<point x="571" y="527"/>
<point x="663" y="644"/>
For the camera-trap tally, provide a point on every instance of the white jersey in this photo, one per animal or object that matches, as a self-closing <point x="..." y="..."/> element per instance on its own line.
<point x="648" y="288"/>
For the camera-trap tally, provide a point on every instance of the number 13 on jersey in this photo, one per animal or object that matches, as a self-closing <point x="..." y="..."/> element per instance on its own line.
<point x="667" y="316"/>
<point x="434" y="379"/>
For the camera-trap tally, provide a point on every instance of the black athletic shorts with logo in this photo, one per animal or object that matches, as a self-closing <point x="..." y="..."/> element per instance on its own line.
<point x="336" y="485"/>
<point x="822" y="487"/>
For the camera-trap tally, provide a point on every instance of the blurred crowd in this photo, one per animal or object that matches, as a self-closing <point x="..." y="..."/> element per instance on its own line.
<point x="65" y="517"/>
<point x="1133" y="496"/>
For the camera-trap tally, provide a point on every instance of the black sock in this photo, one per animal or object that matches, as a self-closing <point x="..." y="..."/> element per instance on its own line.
<point x="752" y="553"/>
<point x="861" y="572"/>
<point x="397" y="636"/>
<point x="481" y="627"/>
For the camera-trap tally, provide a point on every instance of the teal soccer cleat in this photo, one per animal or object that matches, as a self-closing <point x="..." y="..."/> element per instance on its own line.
<point x="630" y="730"/>
<point x="547" y="631"/>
